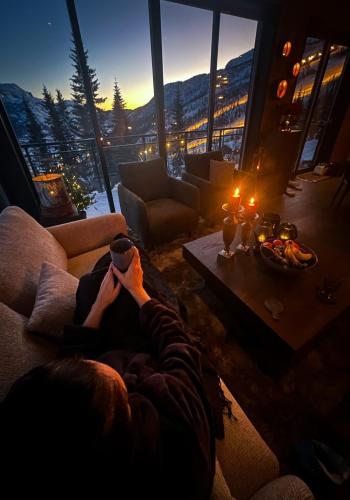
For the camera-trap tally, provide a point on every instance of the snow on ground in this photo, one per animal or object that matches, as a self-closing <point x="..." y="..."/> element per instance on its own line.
<point x="101" y="206"/>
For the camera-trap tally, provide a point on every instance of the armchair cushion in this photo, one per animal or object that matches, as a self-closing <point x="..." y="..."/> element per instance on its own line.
<point x="24" y="246"/>
<point x="221" y="173"/>
<point x="168" y="218"/>
<point x="184" y="192"/>
<point x="199" y="164"/>
<point x="147" y="179"/>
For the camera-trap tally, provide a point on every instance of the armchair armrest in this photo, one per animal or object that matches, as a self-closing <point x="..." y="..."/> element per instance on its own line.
<point x="184" y="192"/>
<point x="135" y="211"/>
<point x="202" y="184"/>
<point x="84" y="235"/>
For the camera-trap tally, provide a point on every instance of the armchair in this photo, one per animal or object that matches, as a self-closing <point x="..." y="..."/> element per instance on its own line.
<point x="197" y="167"/>
<point x="157" y="207"/>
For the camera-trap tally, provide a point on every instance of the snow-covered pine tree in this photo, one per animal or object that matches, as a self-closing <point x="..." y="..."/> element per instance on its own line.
<point x="82" y="119"/>
<point x="120" y="121"/>
<point x="35" y="132"/>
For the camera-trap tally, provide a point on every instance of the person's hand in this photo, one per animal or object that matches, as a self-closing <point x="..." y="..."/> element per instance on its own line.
<point x="132" y="279"/>
<point x="108" y="292"/>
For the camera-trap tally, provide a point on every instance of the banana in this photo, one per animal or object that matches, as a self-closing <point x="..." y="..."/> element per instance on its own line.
<point x="291" y="256"/>
<point x="302" y="256"/>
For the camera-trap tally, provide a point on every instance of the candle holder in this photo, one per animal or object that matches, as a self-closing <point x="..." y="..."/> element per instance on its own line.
<point x="262" y="232"/>
<point x="287" y="231"/>
<point x="229" y="229"/>
<point x="246" y="229"/>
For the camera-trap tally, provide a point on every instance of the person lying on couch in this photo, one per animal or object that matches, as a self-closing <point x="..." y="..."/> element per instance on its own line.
<point x="134" y="424"/>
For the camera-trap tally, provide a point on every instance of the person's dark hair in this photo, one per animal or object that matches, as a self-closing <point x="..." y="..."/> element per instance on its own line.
<point x="65" y="414"/>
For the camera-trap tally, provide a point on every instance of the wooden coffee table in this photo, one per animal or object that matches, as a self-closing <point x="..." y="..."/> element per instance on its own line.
<point x="244" y="282"/>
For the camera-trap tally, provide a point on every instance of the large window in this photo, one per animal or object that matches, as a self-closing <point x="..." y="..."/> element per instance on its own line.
<point x="186" y="33"/>
<point x="43" y="89"/>
<point x="117" y="38"/>
<point x="234" y="66"/>
<point x="324" y="103"/>
<point x="38" y="70"/>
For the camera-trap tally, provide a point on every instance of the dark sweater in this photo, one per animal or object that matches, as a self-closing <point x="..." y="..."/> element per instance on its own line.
<point x="173" y="436"/>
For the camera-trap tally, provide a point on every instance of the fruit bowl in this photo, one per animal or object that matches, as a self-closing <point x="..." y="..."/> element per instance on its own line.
<point x="290" y="257"/>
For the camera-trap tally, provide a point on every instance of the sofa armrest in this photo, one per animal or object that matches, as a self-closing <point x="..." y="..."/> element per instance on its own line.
<point x="135" y="211"/>
<point x="84" y="235"/>
<point x="184" y="192"/>
<point x="246" y="461"/>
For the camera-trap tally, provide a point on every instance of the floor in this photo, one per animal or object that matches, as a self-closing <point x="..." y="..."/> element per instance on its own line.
<point x="310" y="399"/>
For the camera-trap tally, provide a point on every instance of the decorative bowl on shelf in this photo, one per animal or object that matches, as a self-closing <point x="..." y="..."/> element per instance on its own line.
<point x="290" y="257"/>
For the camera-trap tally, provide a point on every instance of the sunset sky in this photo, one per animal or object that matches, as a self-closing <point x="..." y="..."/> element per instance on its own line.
<point x="35" y="41"/>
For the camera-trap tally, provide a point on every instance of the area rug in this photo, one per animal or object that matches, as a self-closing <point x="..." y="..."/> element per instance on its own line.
<point x="299" y="403"/>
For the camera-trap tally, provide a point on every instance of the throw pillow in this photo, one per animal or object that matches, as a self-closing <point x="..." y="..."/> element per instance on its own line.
<point x="55" y="301"/>
<point x="24" y="246"/>
<point x="19" y="350"/>
<point x="221" y="173"/>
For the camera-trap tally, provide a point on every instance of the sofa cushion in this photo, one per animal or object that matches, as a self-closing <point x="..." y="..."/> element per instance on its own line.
<point x="19" y="350"/>
<point x="199" y="164"/>
<point x="148" y="179"/>
<point x="24" y="246"/>
<point x="168" y="218"/>
<point x="220" y="489"/>
<point x="246" y="461"/>
<point x="221" y="173"/>
<point x="284" y="488"/>
<point x="55" y="301"/>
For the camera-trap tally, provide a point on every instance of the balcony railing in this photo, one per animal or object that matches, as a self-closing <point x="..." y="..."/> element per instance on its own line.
<point x="82" y="156"/>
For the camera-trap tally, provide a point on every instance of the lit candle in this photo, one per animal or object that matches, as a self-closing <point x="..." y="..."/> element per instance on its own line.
<point x="261" y="238"/>
<point x="236" y="200"/>
<point x="251" y="207"/>
<point x="284" y="236"/>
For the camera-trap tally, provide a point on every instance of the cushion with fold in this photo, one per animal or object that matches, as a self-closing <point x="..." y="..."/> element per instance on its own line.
<point x="148" y="179"/>
<point x="221" y="173"/>
<point x="168" y="218"/>
<point x="24" y="246"/>
<point x="199" y="164"/>
<point x="19" y="350"/>
<point x="55" y="301"/>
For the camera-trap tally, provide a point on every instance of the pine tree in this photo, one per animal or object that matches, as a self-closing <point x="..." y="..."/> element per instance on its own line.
<point x="34" y="129"/>
<point x="66" y="122"/>
<point x="177" y="111"/>
<point x="120" y="120"/>
<point x="81" y="113"/>
<point x="54" y="121"/>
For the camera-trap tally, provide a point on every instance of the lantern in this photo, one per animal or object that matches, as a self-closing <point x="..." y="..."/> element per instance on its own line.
<point x="53" y="196"/>
<point x="282" y="89"/>
<point x="287" y="48"/>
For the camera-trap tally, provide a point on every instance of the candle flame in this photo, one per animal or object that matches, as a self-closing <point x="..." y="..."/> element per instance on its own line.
<point x="252" y="201"/>
<point x="236" y="192"/>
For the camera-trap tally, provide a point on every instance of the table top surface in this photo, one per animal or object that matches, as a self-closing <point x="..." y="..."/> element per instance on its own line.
<point x="249" y="279"/>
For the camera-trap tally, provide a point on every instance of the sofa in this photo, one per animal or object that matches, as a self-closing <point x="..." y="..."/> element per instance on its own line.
<point x="157" y="207"/>
<point x="246" y="467"/>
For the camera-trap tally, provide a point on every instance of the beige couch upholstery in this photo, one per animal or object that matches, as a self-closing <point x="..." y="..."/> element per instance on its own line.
<point x="245" y="465"/>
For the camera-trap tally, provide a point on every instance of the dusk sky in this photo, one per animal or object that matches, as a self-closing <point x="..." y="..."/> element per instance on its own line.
<point x="35" y="43"/>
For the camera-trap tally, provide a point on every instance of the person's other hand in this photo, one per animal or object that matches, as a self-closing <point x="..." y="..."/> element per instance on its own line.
<point x="109" y="291"/>
<point x="132" y="279"/>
